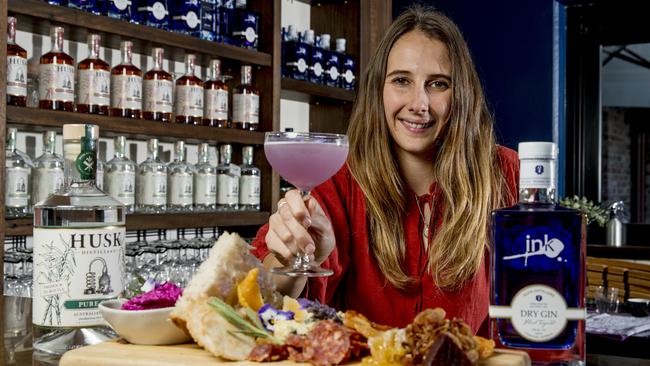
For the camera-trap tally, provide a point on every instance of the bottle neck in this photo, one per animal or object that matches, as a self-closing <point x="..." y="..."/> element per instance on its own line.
<point x="11" y="32"/>
<point x="126" y="56"/>
<point x="189" y="68"/>
<point x="57" y="42"/>
<point x="153" y="154"/>
<point x="225" y="159"/>
<point x="537" y="180"/>
<point x="93" y="49"/>
<point x="11" y="146"/>
<point x="48" y="147"/>
<point x="537" y="195"/>
<point x="157" y="61"/>
<point x="203" y="158"/>
<point x="80" y="161"/>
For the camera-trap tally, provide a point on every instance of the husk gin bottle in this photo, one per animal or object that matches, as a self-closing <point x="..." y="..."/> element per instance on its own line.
<point x="205" y="181"/>
<point x="94" y="77"/>
<point x="151" y="182"/>
<point x="78" y="252"/>
<point x="180" y="181"/>
<point x="17" y="173"/>
<point x="119" y="176"/>
<point x="216" y="98"/>
<point x="246" y="102"/>
<point x="538" y="267"/>
<point x="189" y="94"/>
<point x="56" y="75"/>
<point x="126" y="86"/>
<point x="16" y="68"/>
<point x="249" y="182"/>
<point x="158" y="87"/>
<point x="48" y="176"/>
<point x="227" y="180"/>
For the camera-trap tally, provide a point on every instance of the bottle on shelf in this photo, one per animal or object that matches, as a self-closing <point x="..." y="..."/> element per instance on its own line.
<point x="99" y="176"/>
<point x="119" y="176"/>
<point x="246" y="102"/>
<point x="316" y="60"/>
<point x="57" y="2"/>
<point x="17" y="173"/>
<point x="296" y="55"/>
<point x="94" y="77"/>
<point x="250" y="182"/>
<point x="121" y="9"/>
<point x="216" y="98"/>
<point x="189" y="95"/>
<point x="538" y="273"/>
<point x="347" y="78"/>
<point x="227" y="180"/>
<point x="331" y="63"/>
<point x="126" y="86"/>
<point x="205" y="181"/>
<point x="186" y="17"/>
<point x="79" y="242"/>
<point x="154" y="13"/>
<point x="91" y="6"/>
<point x="246" y="26"/>
<point x="225" y="22"/>
<point x="56" y="75"/>
<point x="180" y="181"/>
<point x="151" y="182"/>
<point x="48" y="174"/>
<point x="16" y="68"/>
<point x="208" y="19"/>
<point x="158" y="88"/>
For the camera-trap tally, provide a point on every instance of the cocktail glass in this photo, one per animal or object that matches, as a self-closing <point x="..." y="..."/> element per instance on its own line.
<point x="305" y="160"/>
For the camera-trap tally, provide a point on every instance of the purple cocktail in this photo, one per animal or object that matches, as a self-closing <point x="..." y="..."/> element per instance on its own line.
<point x="305" y="160"/>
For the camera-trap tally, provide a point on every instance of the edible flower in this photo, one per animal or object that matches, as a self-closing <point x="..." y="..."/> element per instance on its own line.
<point x="269" y="315"/>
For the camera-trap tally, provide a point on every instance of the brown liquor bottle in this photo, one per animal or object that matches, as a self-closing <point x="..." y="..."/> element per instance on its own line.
<point x="16" y="68"/>
<point x="216" y="98"/>
<point x="189" y="95"/>
<point x="246" y="102"/>
<point x="158" y="87"/>
<point x="126" y="86"/>
<point x="56" y="76"/>
<point x="94" y="77"/>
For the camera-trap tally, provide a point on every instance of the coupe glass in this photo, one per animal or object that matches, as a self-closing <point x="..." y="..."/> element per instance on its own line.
<point x="305" y="160"/>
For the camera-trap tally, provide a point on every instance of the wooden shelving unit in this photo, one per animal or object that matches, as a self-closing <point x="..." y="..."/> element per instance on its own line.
<point x="302" y="91"/>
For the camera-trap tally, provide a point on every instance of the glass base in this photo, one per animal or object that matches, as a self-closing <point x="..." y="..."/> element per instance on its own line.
<point x="311" y="271"/>
<point x="59" y="341"/>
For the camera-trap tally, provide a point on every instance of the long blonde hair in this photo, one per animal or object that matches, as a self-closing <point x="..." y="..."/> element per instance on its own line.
<point x="466" y="165"/>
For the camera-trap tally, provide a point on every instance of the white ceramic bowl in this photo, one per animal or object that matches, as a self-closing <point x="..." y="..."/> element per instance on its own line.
<point x="147" y="327"/>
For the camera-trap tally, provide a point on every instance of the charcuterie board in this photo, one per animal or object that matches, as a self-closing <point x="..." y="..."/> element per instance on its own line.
<point x="116" y="353"/>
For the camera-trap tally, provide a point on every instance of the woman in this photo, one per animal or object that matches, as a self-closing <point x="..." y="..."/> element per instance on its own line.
<point x="404" y="225"/>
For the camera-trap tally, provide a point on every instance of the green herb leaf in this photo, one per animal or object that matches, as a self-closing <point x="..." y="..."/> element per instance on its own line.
<point x="243" y="326"/>
<point x="592" y="210"/>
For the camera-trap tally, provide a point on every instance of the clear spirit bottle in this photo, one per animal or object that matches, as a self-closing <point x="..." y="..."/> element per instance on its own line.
<point x="119" y="176"/>
<point x="126" y="86"/>
<point x="48" y="175"/>
<point x="151" y="182"/>
<point x="249" y="183"/>
<point x="538" y="267"/>
<point x="180" y="181"/>
<point x="16" y="68"/>
<point x="99" y="181"/>
<point x="17" y="175"/>
<point x="78" y="252"/>
<point x="94" y="77"/>
<point x="158" y="87"/>
<point x="227" y="180"/>
<point x="56" y="75"/>
<point x="189" y="95"/>
<point x="216" y="98"/>
<point x="205" y="181"/>
<point x="246" y="102"/>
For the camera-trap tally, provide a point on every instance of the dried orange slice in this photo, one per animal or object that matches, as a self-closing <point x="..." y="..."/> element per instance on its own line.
<point x="248" y="291"/>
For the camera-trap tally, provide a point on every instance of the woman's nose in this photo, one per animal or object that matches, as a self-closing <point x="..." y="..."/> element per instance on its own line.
<point x="419" y="102"/>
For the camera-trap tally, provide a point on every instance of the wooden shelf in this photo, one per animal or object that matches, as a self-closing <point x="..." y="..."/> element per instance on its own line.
<point x="36" y="120"/>
<point x="32" y="13"/>
<point x="302" y="91"/>
<point x="23" y="226"/>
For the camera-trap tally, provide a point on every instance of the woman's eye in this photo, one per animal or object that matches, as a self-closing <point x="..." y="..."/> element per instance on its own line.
<point x="439" y="84"/>
<point x="400" y="81"/>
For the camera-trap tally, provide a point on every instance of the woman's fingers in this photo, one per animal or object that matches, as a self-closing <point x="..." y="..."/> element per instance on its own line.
<point x="278" y="247"/>
<point x="299" y="233"/>
<point x="296" y="202"/>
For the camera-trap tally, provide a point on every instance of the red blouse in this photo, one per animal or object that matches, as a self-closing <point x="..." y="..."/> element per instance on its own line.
<point x="358" y="283"/>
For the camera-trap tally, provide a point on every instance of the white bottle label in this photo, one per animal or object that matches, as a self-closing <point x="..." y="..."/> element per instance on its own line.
<point x="17" y="188"/>
<point x="126" y="92"/>
<point x="216" y="104"/>
<point x="74" y="270"/>
<point x="334" y="73"/>
<point x="246" y="108"/>
<point x="250" y="34"/>
<point x="302" y="65"/>
<point x="228" y="190"/>
<point x="158" y="96"/>
<point x="205" y="189"/>
<point x="349" y="76"/>
<point x="158" y="10"/>
<point x="249" y="190"/>
<point x="189" y="101"/>
<point x="536" y="174"/>
<point x="94" y="87"/>
<point x="318" y="69"/>
<point x="56" y="82"/>
<point x="152" y="189"/>
<point x="121" y="4"/>
<point x="192" y="19"/>
<point x="16" y="76"/>
<point x="181" y="190"/>
<point x="47" y="181"/>
<point x="121" y="186"/>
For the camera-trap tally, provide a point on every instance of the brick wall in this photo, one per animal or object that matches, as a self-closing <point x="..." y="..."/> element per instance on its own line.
<point x="616" y="158"/>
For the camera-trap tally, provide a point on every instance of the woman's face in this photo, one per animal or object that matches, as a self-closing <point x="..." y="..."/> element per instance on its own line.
<point x="417" y="92"/>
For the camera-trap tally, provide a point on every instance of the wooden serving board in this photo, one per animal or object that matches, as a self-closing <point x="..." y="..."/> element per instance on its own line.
<point x="114" y="353"/>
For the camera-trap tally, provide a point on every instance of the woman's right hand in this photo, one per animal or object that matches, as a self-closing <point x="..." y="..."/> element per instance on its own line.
<point x="300" y="226"/>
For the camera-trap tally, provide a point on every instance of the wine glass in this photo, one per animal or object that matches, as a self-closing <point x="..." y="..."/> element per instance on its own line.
<point x="305" y="160"/>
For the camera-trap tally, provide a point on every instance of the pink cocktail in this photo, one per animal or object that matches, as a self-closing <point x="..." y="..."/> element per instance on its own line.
<point x="305" y="160"/>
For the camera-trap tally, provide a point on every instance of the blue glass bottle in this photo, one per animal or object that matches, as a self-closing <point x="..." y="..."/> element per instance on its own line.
<point x="186" y="17"/>
<point x="225" y="20"/>
<point x="347" y="78"/>
<point x="208" y="15"/>
<point x="154" y="13"/>
<point x="296" y="56"/>
<point x="91" y="6"/>
<point x="538" y="267"/>
<point x="331" y="76"/>
<point x="317" y="65"/>
<point x="245" y="32"/>
<point x="283" y="51"/>
<point x="57" y="2"/>
<point x="120" y="9"/>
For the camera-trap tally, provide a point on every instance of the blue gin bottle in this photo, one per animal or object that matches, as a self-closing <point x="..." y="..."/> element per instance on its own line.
<point x="57" y="2"/>
<point x="120" y="9"/>
<point x="331" y="76"/>
<point x="296" y="56"/>
<point x="91" y="6"/>
<point x="225" y="21"/>
<point x="347" y="78"/>
<point x="317" y="64"/>
<point x="154" y="13"/>
<point x="246" y="26"/>
<point x="538" y="267"/>
<point x="208" y="19"/>
<point x="186" y="17"/>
